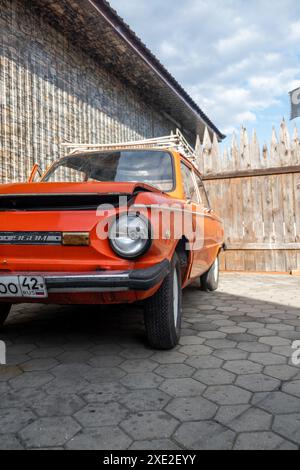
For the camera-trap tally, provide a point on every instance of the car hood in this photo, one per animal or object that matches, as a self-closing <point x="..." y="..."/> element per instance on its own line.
<point x="74" y="188"/>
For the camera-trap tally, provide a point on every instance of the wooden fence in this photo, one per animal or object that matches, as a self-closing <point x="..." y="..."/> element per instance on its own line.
<point x="257" y="193"/>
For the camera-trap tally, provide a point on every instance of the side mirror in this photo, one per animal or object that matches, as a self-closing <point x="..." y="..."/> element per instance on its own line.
<point x="36" y="174"/>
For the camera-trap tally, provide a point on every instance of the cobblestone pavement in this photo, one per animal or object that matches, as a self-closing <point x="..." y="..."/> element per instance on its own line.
<point x="84" y="378"/>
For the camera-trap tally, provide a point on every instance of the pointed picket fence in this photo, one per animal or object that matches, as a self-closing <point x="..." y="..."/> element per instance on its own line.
<point x="256" y="190"/>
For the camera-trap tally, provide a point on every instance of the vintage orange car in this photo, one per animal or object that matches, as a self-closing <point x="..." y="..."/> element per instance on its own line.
<point x="108" y="224"/>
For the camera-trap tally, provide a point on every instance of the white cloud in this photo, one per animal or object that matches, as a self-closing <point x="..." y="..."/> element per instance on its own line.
<point x="294" y="31"/>
<point x="243" y="38"/>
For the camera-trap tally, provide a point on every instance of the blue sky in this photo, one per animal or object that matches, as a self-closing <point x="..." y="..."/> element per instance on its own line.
<point x="237" y="59"/>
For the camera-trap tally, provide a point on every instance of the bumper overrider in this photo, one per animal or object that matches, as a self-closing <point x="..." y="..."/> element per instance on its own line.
<point x="103" y="281"/>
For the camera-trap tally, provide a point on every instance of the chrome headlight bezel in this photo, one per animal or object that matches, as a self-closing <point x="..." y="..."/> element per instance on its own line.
<point x="144" y="243"/>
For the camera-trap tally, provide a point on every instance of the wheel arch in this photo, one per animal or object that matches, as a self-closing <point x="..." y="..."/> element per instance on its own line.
<point x="184" y="256"/>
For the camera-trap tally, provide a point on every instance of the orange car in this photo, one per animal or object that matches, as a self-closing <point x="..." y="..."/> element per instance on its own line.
<point x="111" y="224"/>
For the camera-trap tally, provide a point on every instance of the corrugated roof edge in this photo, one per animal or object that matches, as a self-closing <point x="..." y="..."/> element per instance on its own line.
<point x="115" y="18"/>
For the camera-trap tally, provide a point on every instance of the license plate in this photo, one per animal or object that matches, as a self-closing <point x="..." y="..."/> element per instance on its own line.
<point x="23" y="286"/>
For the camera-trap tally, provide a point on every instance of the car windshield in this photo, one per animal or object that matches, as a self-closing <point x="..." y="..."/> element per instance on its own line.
<point x="147" y="166"/>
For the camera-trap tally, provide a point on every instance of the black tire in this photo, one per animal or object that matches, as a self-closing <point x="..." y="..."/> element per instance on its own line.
<point x="159" y="312"/>
<point x="4" y="312"/>
<point x="210" y="279"/>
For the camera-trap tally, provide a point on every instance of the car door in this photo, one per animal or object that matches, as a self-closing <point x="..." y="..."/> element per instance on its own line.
<point x="211" y="226"/>
<point x="193" y="220"/>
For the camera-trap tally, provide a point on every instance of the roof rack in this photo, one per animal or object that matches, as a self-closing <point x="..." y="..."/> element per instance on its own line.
<point x="173" y="141"/>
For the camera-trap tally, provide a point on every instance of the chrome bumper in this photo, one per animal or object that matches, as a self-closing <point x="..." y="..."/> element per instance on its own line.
<point x="101" y="281"/>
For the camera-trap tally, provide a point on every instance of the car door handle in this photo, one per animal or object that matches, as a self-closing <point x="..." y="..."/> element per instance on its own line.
<point x="208" y="211"/>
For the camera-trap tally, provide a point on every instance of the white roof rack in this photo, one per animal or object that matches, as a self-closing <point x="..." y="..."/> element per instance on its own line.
<point x="174" y="141"/>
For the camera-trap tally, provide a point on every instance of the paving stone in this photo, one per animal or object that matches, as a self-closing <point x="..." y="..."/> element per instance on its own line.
<point x="135" y="366"/>
<point x="39" y="364"/>
<point x="31" y="379"/>
<point x="157" y="444"/>
<point x="204" y="362"/>
<point x="71" y="371"/>
<point x="104" y="374"/>
<point x="290" y="336"/>
<point x="9" y="442"/>
<point x="214" y="377"/>
<point x="14" y="419"/>
<point x="74" y="357"/>
<point x="280" y="327"/>
<point x="252" y="419"/>
<point x="274" y="341"/>
<point x="105" y="361"/>
<point x="67" y="386"/>
<point x="136" y="353"/>
<point x="277" y="402"/>
<point x="258" y="332"/>
<point x="282" y="351"/>
<point x="282" y="372"/>
<point x="293" y="388"/>
<point x="45" y="352"/>
<point x="242" y="367"/>
<point x="182" y="387"/>
<point x="191" y="408"/>
<point x="16" y="359"/>
<point x="220" y="343"/>
<point x="150" y="425"/>
<point x="106" y="349"/>
<point x="204" y="327"/>
<point x="267" y="358"/>
<point x="227" y="413"/>
<point x="57" y="405"/>
<point x="205" y="307"/>
<point x="253" y="347"/>
<point x="205" y="435"/>
<point x="102" y="438"/>
<point x="230" y="354"/>
<point x="23" y="398"/>
<point x="241" y="337"/>
<point x="141" y="381"/>
<point x="186" y="341"/>
<point x="145" y="400"/>
<point x="9" y="372"/>
<point x="21" y="348"/>
<point x="258" y="382"/>
<point x="195" y="350"/>
<point x="170" y="357"/>
<point x="227" y="394"/>
<point x="49" y="432"/>
<point x="101" y="414"/>
<point x="250" y="325"/>
<point x="103" y="392"/>
<point x="170" y="371"/>
<point x="259" y="441"/>
<point x="288" y="426"/>
<point x="232" y="329"/>
<point x="212" y="335"/>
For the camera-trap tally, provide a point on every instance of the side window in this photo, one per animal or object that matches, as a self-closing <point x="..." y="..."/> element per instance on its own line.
<point x="202" y="192"/>
<point x="188" y="183"/>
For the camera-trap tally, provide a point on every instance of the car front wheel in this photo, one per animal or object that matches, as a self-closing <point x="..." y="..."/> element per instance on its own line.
<point x="162" y="312"/>
<point x="210" y="279"/>
<point x="4" y="312"/>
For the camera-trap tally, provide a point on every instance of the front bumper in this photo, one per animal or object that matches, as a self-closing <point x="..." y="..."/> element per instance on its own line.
<point x="105" y="281"/>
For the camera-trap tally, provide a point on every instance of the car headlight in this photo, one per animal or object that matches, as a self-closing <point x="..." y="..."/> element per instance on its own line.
<point x="129" y="235"/>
